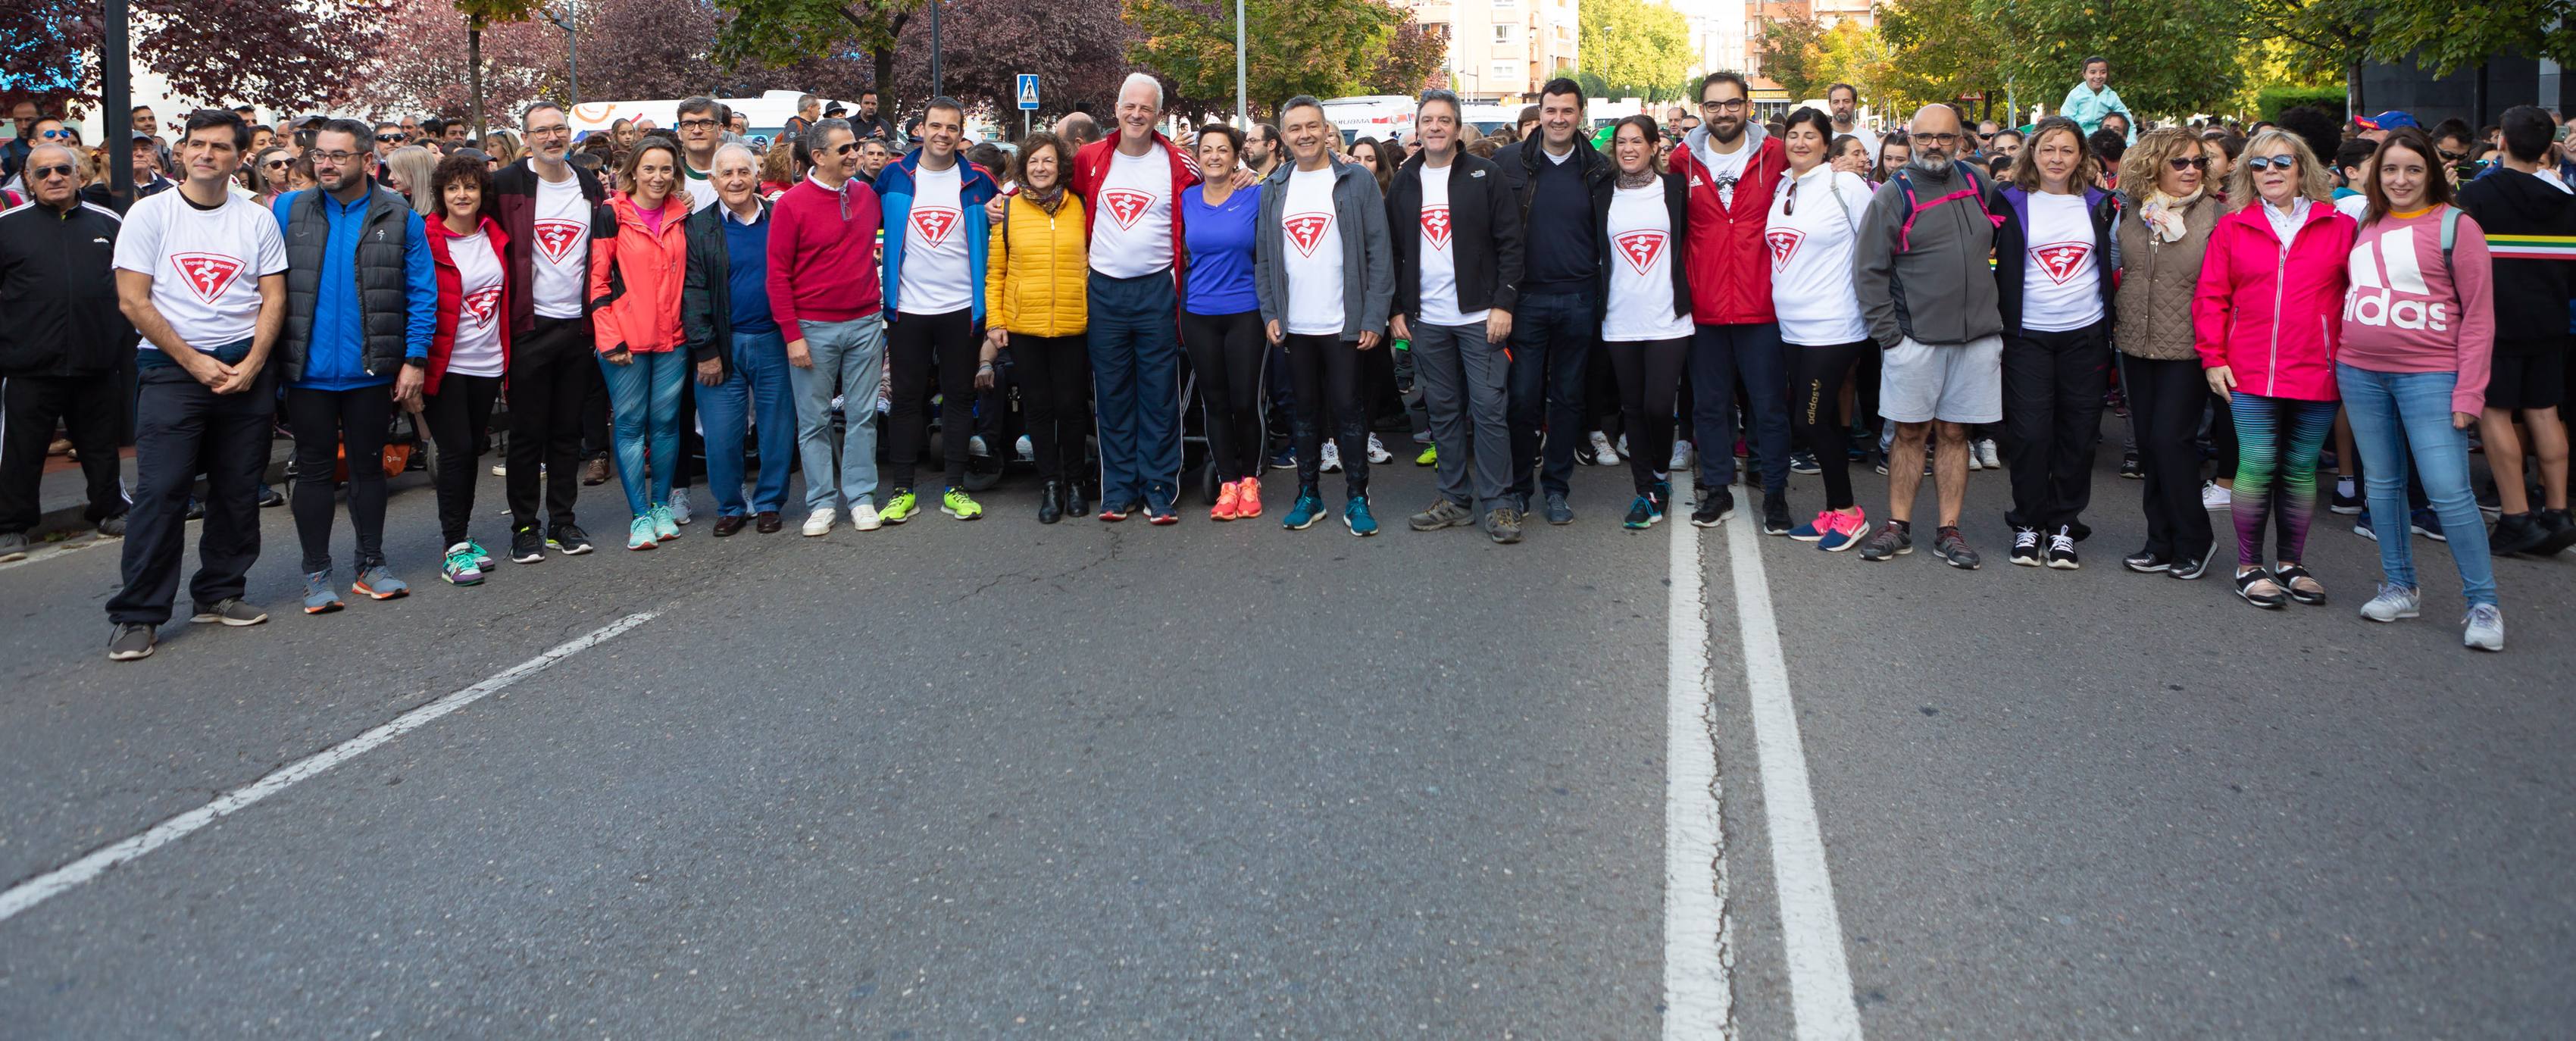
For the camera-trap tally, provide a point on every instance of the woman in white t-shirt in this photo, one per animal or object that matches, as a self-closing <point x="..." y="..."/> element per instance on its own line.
<point x="1645" y="314"/>
<point x="1814" y="222"/>
<point x="468" y="352"/>
<point x="2055" y="253"/>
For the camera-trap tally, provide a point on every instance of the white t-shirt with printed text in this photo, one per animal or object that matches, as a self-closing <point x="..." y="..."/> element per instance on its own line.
<point x="1439" y="282"/>
<point x="559" y="258"/>
<point x="205" y="264"/>
<point x="477" y="350"/>
<point x="1810" y="237"/>
<point x="934" y="278"/>
<point x="1311" y="247"/>
<point x="1640" y="306"/>
<point x="1131" y="221"/>
<point x="2059" y="290"/>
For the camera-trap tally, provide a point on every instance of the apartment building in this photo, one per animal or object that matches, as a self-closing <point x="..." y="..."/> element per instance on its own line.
<point x="1503" y="50"/>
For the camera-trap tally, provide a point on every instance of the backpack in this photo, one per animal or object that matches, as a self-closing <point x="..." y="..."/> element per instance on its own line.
<point x="1914" y="207"/>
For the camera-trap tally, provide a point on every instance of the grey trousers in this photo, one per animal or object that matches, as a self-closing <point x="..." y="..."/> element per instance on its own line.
<point x="1465" y="386"/>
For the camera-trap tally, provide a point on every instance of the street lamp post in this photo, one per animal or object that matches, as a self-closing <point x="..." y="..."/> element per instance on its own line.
<point x="1242" y="111"/>
<point x="572" y="63"/>
<point x="934" y="48"/>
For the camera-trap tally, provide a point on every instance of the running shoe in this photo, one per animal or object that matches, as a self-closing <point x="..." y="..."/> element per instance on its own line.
<point x="1309" y="508"/>
<point x="501" y="469"/>
<point x="1775" y="514"/>
<point x="819" y="521"/>
<point x="1430" y="456"/>
<point x="1803" y="462"/>
<point x="1113" y="512"/>
<point x="2061" y="549"/>
<point x="13" y="546"/>
<point x="1975" y="461"/>
<point x="2516" y="533"/>
<point x="2146" y="562"/>
<point x="2257" y="587"/>
<point x="639" y="533"/>
<point x="956" y="503"/>
<point x="131" y="642"/>
<point x="2025" y="550"/>
<point x="1355" y="516"/>
<point x="1227" y="496"/>
<point x="1953" y="549"/>
<point x="1503" y="525"/>
<point x="2393" y="603"/>
<point x="2189" y="568"/>
<point x="2300" y="585"/>
<point x="230" y="611"/>
<point x="1558" y="512"/>
<point x="679" y="506"/>
<point x="665" y="526"/>
<point x="2347" y="498"/>
<point x="1443" y="513"/>
<point x="2130" y="469"/>
<point x="1377" y="453"/>
<point x="1893" y="539"/>
<point x="1285" y="458"/>
<point x="900" y="508"/>
<point x="2483" y="628"/>
<point x="863" y="517"/>
<point x="319" y="596"/>
<point x="1846" y="529"/>
<point x="526" y="546"/>
<point x="1642" y="513"/>
<point x="2214" y="496"/>
<point x="482" y="556"/>
<point x="1332" y="457"/>
<point x="2362" y="528"/>
<point x="2429" y="524"/>
<point x="1247" y="499"/>
<point x="460" y="568"/>
<point x="568" y="539"/>
<point x="1024" y="450"/>
<point x="2558" y="532"/>
<point x="1986" y="455"/>
<point x="1602" y="452"/>
<point x="1160" y="516"/>
<point x="1681" y="457"/>
<point x="1715" y="506"/>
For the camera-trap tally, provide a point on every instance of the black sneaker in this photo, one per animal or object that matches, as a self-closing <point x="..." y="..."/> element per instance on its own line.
<point x="2188" y="568"/>
<point x="2146" y="562"/>
<point x="1557" y="511"/>
<point x="1953" y="549"/>
<point x="526" y="546"/>
<point x="229" y="611"/>
<point x="195" y="511"/>
<point x="1715" y="506"/>
<point x="1804" y="463"/>
<point x="2429" y="524"/>
<point x="2130" y="469"/>
<point x="2558" y="531"/>
<point x="2025" y="551"/>
<point x="1892" y="539"/>
<point x="2345" y="505"/>
<point x="131" y="643"/>
<point x="2061" y="549"/>
<point x="2516" y="533"/>
<point x="270" y="498"/>
<point x="1775" y="515"/>
<point x="568" y="539"/>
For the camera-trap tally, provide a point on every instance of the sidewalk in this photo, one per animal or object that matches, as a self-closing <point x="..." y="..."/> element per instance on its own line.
<point x="64" y="498"/>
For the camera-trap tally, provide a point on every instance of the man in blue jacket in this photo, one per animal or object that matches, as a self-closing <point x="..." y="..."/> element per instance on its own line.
<point x="935" y="243"/>
<point x="361" y="302"/>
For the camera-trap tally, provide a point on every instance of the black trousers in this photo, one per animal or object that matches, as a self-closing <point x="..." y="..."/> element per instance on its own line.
<point x="552" y="372"/>
<point x="913" y="341"/>
<point x="1054" y="374"/>
<point x="90" y="407"/>
<point x="1228" y="353"/>
<point x="1649" y="376"/>
<point x="2053" y="387"/>
<point x="1816" y="378"/>
<point x="181" y="428"/>
<point x="457" y="415"/>
<point x="2165" y="399"/>
<point x="1327" y="372"/>
<point x="323" y="421"/>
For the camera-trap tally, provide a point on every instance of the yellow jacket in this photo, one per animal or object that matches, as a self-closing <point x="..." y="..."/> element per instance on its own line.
<point x="1035" y="271"/>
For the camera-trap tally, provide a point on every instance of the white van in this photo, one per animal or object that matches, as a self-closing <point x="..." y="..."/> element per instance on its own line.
<point x="767" y="114"/>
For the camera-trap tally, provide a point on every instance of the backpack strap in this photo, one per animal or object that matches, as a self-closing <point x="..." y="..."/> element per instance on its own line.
<point x="1914" y="207"/>
<point x="2450" y="234"/>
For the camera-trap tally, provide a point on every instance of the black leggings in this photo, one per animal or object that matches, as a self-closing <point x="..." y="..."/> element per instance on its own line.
<point x="1228" y="354"/>
<point x="1815" y="411"/>
<point x="1326" y="371"/>
<point x="1054" y="374"/>
<point x="912" y="340"/>
<point x="457" y="415"/>
<point x="321" y="421"/>
<point x="1649" y="374"/>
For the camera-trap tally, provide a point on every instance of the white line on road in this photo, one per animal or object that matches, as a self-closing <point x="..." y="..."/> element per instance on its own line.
<point x="1699" y="998"/>
<point x="46" y="886"/>
<point x="38" y="554"/>
<point x="1820" y="988"/>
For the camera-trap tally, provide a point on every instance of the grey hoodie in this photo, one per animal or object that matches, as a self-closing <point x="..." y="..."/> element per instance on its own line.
<point x="1368" y="256"/>
<point x="1941" y="290"/>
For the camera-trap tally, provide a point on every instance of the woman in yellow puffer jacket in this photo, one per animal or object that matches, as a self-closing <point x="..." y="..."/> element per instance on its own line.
<point x="1034" y="285"/>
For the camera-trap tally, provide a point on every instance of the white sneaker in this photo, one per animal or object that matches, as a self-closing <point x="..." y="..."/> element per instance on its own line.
<point x="1378" y="455"/>
<point x="1027" y="451"/>
<point x="2393" y="603"/>
<point x="1986" y="455"/>
<point x="1623" y="446"/>
<point x="1332" y="461"/>
<point x="1681" y="457"/>
<point x="1602" y="453"/>
<point x="2484" y="628"/>
<point x="1974" y="464"/>
<point x="819" y="522"/>
<point x="679" y="506"/>
<point x="2213" y="497"/>
<point x="975" y="446"/>
<point x="863" y="517"/>
<point x="500" y="469"/>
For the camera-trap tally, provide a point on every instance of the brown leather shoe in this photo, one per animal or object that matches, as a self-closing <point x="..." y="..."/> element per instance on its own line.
<point x="729" y="524"/>
<point x="595" y="472"/>
<point x="767" y="522"/>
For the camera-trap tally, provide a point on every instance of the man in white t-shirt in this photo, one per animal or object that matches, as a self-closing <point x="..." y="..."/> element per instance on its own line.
<point x="202" y="275"/>
<point x="545" y="206"/>
<point x="935" y="242"/>
<point x="702" y="123"/>
<point x="1844" y="99"/>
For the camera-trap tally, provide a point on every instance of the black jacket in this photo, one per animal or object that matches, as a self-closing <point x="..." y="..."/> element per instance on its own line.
<point x="1484" y="230"/>
<point x="1676" y="209"/>
<point x="514" y="203"/>
<point x="2531" y="296"/>
<point x="57" y="271"/>
<point x="706" y="291"/>
<point x="2012" y="238"/>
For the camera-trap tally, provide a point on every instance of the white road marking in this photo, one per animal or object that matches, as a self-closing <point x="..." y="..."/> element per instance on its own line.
<point x="40" y="552"/>
<point x="1699" y="997"/>
<point x="1820" y="988"/>
<point x="53" y="883"/>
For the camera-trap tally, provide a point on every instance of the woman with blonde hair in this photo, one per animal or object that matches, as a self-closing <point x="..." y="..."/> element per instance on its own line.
<point x="407" y="170"/>
<point x="502" y="148"/>
<point x="2163" y="232"/>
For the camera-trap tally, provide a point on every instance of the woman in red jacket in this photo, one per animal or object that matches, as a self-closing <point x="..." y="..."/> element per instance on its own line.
<point x="639" y="253"/>
<point x="468" y="352"/>
<point x="2265" y="319"/>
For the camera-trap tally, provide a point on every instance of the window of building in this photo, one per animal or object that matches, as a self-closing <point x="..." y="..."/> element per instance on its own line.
<point x="1502" y="34"/>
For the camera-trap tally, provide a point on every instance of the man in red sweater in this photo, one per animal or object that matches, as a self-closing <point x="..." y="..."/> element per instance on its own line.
<point x="825" y="294"/>
<point x="1732" y="165"/>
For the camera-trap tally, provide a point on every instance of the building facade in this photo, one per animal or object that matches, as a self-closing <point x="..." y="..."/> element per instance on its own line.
<point x="1503" y="50"/>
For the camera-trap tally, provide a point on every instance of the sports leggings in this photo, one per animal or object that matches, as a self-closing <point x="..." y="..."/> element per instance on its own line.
<point x="457" y="415"/>
<point x="2277" y="441"/>
<point x="1228" y="355"/>
<point x="1326" y="370"/>
<point x="1055" y="400"/>
<point x="1816" y="376"/>
<point x="912" y="342"/>
<point x="1649" y="374"/>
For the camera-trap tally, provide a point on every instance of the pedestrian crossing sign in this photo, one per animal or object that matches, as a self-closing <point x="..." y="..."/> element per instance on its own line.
<point x="1028" y="91"/>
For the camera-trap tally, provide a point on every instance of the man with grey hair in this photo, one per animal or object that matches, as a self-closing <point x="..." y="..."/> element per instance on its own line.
<point x="827" y="300"/>
<point x="62" y="345"/>
<point x="544" y="204"/>
<point x="808" y="109"/>
<point x="1930" y="301"/>
<point x="702" y="123"/>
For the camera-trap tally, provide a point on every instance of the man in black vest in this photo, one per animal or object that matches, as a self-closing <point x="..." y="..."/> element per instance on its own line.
<point x="361" y="302"/>
<point x="61" y="347"/>
<point x="544" y="204"/>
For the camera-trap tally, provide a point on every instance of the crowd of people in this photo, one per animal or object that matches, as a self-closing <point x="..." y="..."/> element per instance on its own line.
<point x="1522" y="302"/>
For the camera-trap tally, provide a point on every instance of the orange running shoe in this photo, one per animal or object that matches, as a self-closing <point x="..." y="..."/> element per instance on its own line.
<point x="1247" y="502"/>
<point x="1225" y="504"/>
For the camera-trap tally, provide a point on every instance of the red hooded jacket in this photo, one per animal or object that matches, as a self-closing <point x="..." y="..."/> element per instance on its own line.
<point x="451" y="291"/>
<point x="1730" y="266"/>
<point x="1091" y="166"/>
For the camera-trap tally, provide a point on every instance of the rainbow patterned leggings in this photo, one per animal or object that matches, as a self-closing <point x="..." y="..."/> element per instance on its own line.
<point x="2276" y="471"/>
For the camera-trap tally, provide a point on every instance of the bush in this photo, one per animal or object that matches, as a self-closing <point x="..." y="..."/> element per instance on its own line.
<point x="2271" y="100"/>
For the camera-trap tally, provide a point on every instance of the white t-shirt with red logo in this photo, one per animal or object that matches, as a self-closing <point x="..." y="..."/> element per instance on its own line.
<point x="205" y="264"/>
<point x="1439" y="253"/>
<point x="933" y="280"/>
<point x="1810" y="237"/>
<point x="1312" y="249"/>
<point x="2059" y="290"/>
<point x="1131" y="228"/>
<point x="1641" y="269"/>
<point x="559" y="256"/>
<point x="477" y="351"/>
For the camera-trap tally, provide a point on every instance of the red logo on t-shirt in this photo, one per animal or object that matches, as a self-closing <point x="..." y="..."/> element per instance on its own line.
<point x="558" y="238"/>
<point x="1435" y="226"/>
<point x="1784" y="244"/>
<point x="207" y="274"/>
<point x="1125" y="205"/>
<point x="2061" y="260"/>
<point x="934" y="223"/>
<point x="481" y="302"/>
<point x="1640" y="248"/>
<point x="1307" y="230"/>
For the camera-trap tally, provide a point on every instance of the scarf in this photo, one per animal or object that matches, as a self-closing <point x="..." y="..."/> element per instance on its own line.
<point x="2163" y="215"/>
<point x="1046" y="200"/>
<point x="1639" y="179"/>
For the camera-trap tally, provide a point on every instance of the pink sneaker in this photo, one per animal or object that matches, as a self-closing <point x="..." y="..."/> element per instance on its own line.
<point x="1843" y="529"/>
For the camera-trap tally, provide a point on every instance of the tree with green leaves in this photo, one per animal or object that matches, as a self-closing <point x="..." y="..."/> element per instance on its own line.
<point x="779" y="33"/>
<point x="2168" y="56"/>
<point x="1326" y="48"/>
<point x="1939" y="50"/>
<point x="479" y="14"/>
<point x="2446" y="36"/>
<point x="1631" y="48"/>
<point x="1804" y="57"/>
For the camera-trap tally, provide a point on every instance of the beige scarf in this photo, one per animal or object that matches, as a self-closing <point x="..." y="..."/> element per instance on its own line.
<point x="2163" y="215"/>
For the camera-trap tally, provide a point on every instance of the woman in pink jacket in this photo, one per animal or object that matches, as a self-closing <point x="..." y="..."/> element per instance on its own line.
<point x="2265" y="319"/>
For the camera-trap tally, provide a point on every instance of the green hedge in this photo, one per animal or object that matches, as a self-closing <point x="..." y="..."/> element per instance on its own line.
<point x="2271" y="100"/>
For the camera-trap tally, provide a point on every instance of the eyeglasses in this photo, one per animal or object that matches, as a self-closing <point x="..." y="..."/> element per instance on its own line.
<point x="335" y="158"/>
<point x="2261" y="163"/>
<point x="1728" y="105"/>
<point x="46" y="173"/>
<point x="1939" y="139"/>
<point x="697" y="124"/>
<point x="389" y="138"/>
<point x="2181" y="164"/>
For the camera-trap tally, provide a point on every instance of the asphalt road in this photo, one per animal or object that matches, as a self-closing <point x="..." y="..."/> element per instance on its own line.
<point x="956" y="780"/>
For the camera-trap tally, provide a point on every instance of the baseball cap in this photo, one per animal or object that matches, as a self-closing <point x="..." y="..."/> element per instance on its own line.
<point x="2389" y="120"/>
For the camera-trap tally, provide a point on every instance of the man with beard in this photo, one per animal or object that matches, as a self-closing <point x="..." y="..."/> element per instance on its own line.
<point x="1844" y="100"/>
<point x="1731" y="166"/>
<point x="1261" y="149"/>
<point x="1930" y="301"/>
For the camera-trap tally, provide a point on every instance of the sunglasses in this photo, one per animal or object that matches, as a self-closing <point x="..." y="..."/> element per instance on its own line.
<point x="846" y="148"/>
<point x="2283" y="163"/>
<point x="275" y="164"/>
<point x="2181" y="164"/>
<point x="56" y="135"/>
<point x="2453" y="157"/>
<point x="43" y="173"/>
<point x="389" y="138"/>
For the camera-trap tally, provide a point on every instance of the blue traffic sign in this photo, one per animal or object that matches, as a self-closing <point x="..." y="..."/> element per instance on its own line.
<point x="1028" y="90"/>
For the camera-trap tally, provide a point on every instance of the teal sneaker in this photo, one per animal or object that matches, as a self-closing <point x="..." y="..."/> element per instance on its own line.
<point x="1355" y="515"/>
<point x="639" y="532"/>
<point x="1308" y="510"/>
<point x="462" y="566"/>
<point x="482" y="557"/>
<point x="665" y="527"/>
<point x="319" y="597"/>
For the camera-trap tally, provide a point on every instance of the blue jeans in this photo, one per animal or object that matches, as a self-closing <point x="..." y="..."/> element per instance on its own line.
<point x="644" y="396"/>
<point x="755" y="395"/>
<point x="849" y="360"/>
<point x="1552" y="337"/>
<point x="1719" y="354"/>
<point x="2391" y="411"/>
<point x="1135" y="344"/>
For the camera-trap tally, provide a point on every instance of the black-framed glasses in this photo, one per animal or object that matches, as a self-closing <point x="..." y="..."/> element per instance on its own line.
<point x="2180" y="164"/>
<point x="336" y="158"/>
<point x="1728" y="105"/>
<point x="845" y="148"/>
<point x="42" y="173"/>
<point x="697" y="124"/>
<point x="1938" y="139"/>
<point x="2283" y="163"/>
